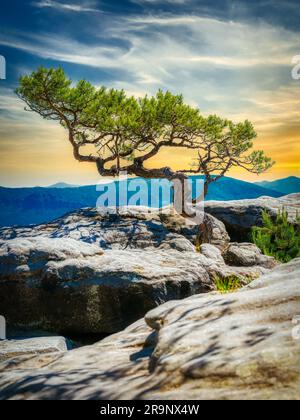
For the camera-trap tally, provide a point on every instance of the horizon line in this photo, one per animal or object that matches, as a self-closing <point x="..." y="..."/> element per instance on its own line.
<point x="70" y="185"/>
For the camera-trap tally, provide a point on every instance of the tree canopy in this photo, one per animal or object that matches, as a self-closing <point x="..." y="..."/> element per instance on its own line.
<point x="126" y="132"/>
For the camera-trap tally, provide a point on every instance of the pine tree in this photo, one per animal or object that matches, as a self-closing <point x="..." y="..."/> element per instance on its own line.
<point x="278" y="238"/>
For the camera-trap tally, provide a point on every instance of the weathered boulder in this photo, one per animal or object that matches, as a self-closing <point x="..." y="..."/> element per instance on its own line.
<point x="132" y="228"/>
<point x="236" y="346"/>
<point x="97" y="273"/>
<point x="213" y="231"/>
<point x="247" y="255"/>
<point x="10" y="349"/>
<point x="241" y="215"/>
<point x="30" y="255"/>
<point x="64" y="285"/>
<point x="218" y="269"/>
<point x="212" y="253"/>
<point x="244" y="261"/>
<point x="210" y="231"/>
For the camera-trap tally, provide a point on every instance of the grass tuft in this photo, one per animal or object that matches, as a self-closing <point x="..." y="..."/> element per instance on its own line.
<point x="228" y="284"/>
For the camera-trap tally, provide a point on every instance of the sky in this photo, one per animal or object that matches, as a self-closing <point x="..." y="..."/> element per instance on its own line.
<point x="231" y="57"/>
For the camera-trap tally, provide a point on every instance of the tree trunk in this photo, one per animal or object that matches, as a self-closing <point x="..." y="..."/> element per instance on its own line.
<point x="182" y="197"/>
<point x="182" y="193"/>
<point x="205" y="191"/>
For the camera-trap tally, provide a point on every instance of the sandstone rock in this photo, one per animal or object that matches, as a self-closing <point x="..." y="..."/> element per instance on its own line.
<point x="97" y="273"/>
<point x="30" y="255"/>
<point x="235" y="346"/>
<point x="133" y="229"/>
<point x="241" y="215"/>
<point x="65" y="286"/>
<point x="247" y="255"/>
<point x="10" y="349"/>
<point x="239" y="346"/>
<point x="213" y="231"/>
<point x="244" y="274"/>
<point x="213" y="253"/>
<point x="217" y="267"/>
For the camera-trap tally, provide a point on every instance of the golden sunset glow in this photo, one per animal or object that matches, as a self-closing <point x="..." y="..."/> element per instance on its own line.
<point x="43" y="156"/>
<point x="47" y="157"/>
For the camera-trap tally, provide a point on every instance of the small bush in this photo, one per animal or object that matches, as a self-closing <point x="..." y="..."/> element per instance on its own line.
<point x="279" y="239"/>
<point x="228" y="284"/>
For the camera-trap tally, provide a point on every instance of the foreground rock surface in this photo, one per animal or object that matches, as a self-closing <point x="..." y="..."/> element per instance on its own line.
<point x="241" y="215"/>
<point x="235" y="346"/>
<point x="133" y="228"/>
<point x="91" y="293"/>
<point x="63" y="286"/>
<point x="97" y="273"/>
<point x="247" y="255"/>
<point x="31" y="346"/>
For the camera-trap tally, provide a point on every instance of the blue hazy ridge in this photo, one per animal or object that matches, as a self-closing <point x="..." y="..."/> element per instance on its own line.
<point x="24" y="206"/>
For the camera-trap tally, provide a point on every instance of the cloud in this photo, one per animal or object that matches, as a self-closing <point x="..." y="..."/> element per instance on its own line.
<point x="218" y="65"/>
<point x="64" y="49"/>
<point x="162" y="1"/>
<point x="10" y="102"/>
<point x="158" y="47"/>
<point x="171" y="20"/>
<point x="65" y="6"/>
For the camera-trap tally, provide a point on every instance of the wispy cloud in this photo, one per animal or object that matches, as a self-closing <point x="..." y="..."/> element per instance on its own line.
<point x="162" y="1"/>
<point x="189" y="54"/>
<point x="64" y="50"/>
<point x="84" y="7"/>
<point x="158" y="41"/>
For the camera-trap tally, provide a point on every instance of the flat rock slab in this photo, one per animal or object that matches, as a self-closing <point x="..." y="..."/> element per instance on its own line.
<point x="239" y="216"/>
<point x="69" y="287"/>
<point x="65" y="290"/>
<point x="132" y="228"/>
<point x="242" y="345"/>
<point x="247" y="255"/>
<point x="31" y="346"/>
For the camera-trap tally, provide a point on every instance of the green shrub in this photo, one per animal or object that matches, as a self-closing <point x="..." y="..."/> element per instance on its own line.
<point x="278" y="238"/>
<point x="228" y="284"/>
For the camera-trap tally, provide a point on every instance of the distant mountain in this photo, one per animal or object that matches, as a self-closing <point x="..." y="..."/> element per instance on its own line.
<point x="234" y="189"/>
<point x="24" y="206"/>
<point x="62" y="185"/>
<point x="285" y="186"/>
